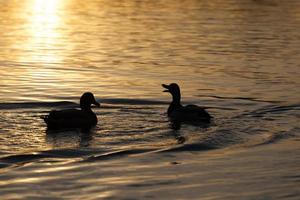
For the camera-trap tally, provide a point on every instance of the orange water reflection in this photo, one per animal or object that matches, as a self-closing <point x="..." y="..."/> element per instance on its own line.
<point x="42" y="31"/>
<point x="60" y="48"/>
<point x="38" y="40"/>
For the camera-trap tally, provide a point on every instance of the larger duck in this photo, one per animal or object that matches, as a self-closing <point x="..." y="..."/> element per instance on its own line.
<point x="74" y="118"/>
<point x="189" y="113"/>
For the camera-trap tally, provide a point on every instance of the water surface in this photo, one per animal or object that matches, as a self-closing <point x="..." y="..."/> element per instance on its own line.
<point x="239" y="59"/>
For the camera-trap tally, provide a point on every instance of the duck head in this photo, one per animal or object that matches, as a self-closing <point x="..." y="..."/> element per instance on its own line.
<point x="173" y="88"/>
<point x="86" y="100"/>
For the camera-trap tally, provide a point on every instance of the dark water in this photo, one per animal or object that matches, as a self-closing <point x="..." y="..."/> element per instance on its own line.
<point x="239" y="59"/>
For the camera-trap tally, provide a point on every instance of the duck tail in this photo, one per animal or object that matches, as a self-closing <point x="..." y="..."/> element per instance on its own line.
<point x="45" y="118"/>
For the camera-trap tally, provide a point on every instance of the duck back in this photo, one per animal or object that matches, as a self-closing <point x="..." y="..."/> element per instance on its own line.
<point x="190" y="113"/>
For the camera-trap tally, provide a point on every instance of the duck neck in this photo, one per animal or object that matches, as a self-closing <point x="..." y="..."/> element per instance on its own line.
<point x="176" y="98"/>
<point x="175" y="104"/>
<point x="85" y="107"/>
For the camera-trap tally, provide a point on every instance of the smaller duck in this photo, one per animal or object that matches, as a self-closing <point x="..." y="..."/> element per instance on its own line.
<point x="74" y="118"/>
<point x="190" y="113"/>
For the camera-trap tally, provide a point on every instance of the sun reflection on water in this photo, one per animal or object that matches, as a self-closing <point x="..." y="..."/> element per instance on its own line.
<point x="43" y="31"/>
<point x="43" y="43"/>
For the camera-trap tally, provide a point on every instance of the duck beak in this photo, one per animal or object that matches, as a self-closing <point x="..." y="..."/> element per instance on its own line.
<point x="96" y="104"/>
<point x="165" y="86"/>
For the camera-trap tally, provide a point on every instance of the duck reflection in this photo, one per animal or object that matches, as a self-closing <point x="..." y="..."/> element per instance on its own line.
<point x="70" y="138"/>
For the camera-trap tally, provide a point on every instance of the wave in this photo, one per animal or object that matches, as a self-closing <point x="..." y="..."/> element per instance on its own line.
<point x="126" y="101"/>
<point x="116" y="154"/>
<point x="273" y="109"/>
<point x="26" y="105"/>
<point x="190" y="147"/>
<point x="277" y="137"/>
<point x="94" y="155"/>
<point x="117" y="101"/>
<point x="239" y="98"/>
<point x="31" y="157"/>
<point x="75" y="154"/>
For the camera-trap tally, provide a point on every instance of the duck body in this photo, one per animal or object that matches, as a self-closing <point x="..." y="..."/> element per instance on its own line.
<point x="71" y="118"/>
<point x="74" y="118"/>
<point x="189" y="113"/>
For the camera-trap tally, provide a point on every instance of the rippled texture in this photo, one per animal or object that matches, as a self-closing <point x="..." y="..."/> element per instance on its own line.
<point x="239" y="59"/>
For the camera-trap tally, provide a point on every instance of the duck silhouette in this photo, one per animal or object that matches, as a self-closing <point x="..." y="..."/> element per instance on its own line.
<point x="84" y="118"/>
<point x="190" y="113"/>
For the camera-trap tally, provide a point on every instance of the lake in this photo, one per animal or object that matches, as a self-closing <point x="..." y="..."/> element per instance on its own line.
<point x="239" y="59"/>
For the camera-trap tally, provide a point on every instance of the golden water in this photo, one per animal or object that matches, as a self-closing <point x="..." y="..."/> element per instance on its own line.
<point x="238" y="58"/>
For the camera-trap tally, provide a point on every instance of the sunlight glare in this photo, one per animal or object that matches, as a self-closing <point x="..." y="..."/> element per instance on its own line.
<point x="43" y="29"/>
<point x="43" y="42"/>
